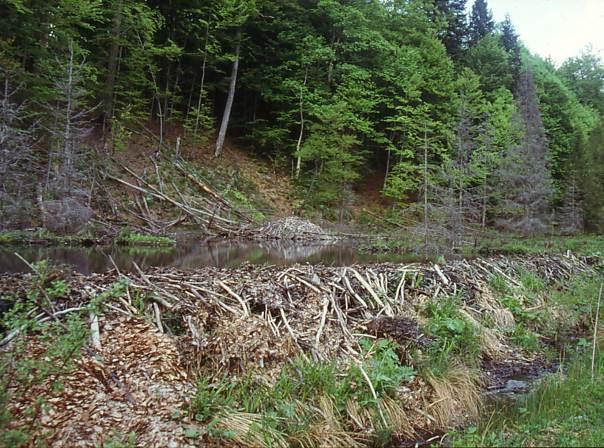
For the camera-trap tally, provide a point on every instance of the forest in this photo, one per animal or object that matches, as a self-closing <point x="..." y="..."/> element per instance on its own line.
<point x="297" y="223"/>
<point x="462" y="126"/>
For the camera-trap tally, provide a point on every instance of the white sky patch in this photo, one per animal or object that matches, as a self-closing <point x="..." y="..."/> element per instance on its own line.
<point x="558" y="29"/>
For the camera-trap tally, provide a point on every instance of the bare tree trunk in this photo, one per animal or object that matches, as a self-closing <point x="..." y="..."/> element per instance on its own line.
<point x="165" y="107"/>
<point x="483" y="220"/>
<point x="387" y="171"/>
<point x="67" y="143"/>
<point x="203" y="78"/>
<point x="299" y="144"/>
<point x="426" y="188"/>
<point x="112" y="65"/>
<point x="230" y="97"/>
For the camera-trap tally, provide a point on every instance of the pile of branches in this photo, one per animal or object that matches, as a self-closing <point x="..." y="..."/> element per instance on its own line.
<point x="210" y="210"/>
<point x="290" y="228"/>
<point x="252" y="319"/>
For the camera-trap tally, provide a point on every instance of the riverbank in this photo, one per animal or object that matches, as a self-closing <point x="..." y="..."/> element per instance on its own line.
<point x="368" y="355"/>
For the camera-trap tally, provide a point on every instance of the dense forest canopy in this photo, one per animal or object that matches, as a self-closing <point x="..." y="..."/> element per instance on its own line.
<point x="467" y="126"/>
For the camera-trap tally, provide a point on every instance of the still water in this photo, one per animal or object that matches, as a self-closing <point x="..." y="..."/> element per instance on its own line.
<point x="193" y="254"/>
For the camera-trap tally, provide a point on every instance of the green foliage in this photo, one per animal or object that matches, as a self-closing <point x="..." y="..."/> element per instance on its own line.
<point x="333" y="89"/>
<point x="383" y="367"/>
<point x="129" y="238"/>
<point x="288" y="407"/>
<point x="452" y="333"/>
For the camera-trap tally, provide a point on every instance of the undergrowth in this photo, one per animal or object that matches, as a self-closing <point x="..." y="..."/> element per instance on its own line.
<point x="42" y="350"/>
<point x="310" y="403"/>
<point x="565" y="409"/>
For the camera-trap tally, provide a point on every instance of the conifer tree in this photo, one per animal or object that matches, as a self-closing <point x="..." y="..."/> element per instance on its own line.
<point x="455" y="33"/>
<point x="509" y="40"/>
<point x="481" y="21"/>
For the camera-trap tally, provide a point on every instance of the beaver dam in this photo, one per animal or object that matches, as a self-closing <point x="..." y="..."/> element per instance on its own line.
<point x="367" y="355"/>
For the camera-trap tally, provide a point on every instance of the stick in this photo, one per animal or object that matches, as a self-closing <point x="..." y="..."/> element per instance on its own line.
<point x="367" y="287"/>
<point x="246" y="310"/>
<point x="322" y="324"/>
<point x="442" y="276"/>
<point x="593" y="352"/>
<point x="375" y="397"/>
<point x="160" y="327"/>
<point x="95" y="332"/>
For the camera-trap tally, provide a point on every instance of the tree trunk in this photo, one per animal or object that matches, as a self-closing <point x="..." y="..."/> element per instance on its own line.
<point x="483" y="221"/>
<point x="203" y="78"/>
<point x="299" y="144"/>
<point x="67" y="143"/>
<point x="114" y="51"/>
<point x="231" y="96"/>
<point x="426" y="189"/>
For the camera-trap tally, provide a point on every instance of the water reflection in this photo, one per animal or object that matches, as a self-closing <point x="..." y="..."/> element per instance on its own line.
<point x="192" y="254"/>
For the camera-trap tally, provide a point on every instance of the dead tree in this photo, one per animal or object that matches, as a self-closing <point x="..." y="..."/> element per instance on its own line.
<point x="571" y="215"/>
<point x="68" y="189"/>
<point x="17" y="158"/>
<point x="70" y="126"/>
<point x="523" y="175"/>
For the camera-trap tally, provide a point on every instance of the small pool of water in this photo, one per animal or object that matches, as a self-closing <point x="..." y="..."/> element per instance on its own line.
<point x="192" y="254"/>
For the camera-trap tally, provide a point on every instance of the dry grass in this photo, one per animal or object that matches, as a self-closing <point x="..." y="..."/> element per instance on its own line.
<point x="325" y="430"/>
<point x="359" y="415"/>
<point x="398" y="418"/>
<point x="457" y="391"/>
<point x="248" y="430"/>
<point x="491" y="343"/>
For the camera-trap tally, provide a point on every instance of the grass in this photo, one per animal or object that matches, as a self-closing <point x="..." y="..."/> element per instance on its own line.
<point x="310" y="404"/>
<point x="141" y="239"/>
<point x="586" y="245"/>
<point x="452" y="333"/>
<point x="564" y="410"/>
<point x="44" y="237"/>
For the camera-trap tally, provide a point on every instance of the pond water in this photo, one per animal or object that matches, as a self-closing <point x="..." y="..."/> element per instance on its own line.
<point x="191" y="254"/>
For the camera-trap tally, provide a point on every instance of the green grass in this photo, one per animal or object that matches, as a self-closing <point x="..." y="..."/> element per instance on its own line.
<point x="453" y="336"/>
<point x="140" y="239"/>
<point x="564" y="410"/>
<point x="306" y="394"/>
<point x="44" y="237"/>
<point x="586" y="245"/>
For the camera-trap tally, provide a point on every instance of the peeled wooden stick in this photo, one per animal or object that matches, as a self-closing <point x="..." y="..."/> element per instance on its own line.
<point x="367" y="287"/>
<point x="593" y="352"/>
<point x="95" y="332"/>
<point x="375" y="397"/>
<point x="322" y="323"/>
<point x="442" y="276"/>
<point x="246" y="311"/>
<point x="160" y="327"/>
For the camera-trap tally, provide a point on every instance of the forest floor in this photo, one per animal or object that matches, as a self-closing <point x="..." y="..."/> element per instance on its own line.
<point x="376" y="355"/>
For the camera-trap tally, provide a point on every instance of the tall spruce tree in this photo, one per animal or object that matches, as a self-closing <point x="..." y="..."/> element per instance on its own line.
<point x="509" y="40"/>
<point x="481" y="21"/>
<point x="455" y="33"/>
